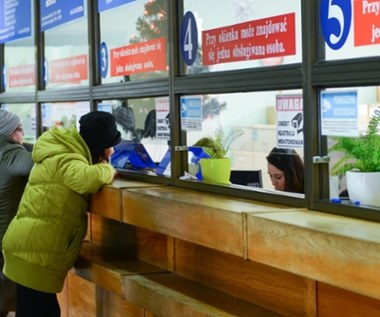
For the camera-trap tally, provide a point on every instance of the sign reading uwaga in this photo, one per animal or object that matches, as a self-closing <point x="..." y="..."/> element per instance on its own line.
<point x="257" y="39"/>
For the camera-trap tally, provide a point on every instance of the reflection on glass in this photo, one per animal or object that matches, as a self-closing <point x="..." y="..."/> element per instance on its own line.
<point x="266" y="119"/>
<point x="27" y="114"/>
<point x="66" y="54"/>
<point x="20" y="65"/>
<point x="145" y="132"/>
<point x="63" y="115"/>
<point x="243" y="34"/>
<point x="134" y="41"/>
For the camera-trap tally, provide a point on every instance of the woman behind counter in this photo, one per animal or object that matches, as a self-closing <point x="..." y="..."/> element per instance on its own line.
<point x="286" y="170"/>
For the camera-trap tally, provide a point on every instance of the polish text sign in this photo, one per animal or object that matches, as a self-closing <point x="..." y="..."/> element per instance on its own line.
<point x="142" y="57"/>
<point x="69" y="70"/>
<point x="257" y="39"/>
<point x="21" y="76"/>
<point x="367" y="22"/>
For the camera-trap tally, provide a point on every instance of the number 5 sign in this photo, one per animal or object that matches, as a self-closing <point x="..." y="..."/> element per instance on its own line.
<point x="189" y="38"/>
<point x="336" y="22"/>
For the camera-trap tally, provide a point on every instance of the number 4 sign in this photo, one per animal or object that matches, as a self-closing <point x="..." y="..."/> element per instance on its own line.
<point x="189" y="38"/>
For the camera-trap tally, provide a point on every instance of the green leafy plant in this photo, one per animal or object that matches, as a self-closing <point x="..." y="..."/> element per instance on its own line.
<point x="218" y="146"/>
<point x="360" y="154"/>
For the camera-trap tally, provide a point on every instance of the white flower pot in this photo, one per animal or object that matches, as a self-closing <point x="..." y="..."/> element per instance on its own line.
<point x="364" y="188"/>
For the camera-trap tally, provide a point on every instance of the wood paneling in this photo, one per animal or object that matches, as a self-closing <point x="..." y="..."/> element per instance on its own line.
<point x="336" y="250"/>
<point x="273" y="289"/>
<point x="336" y="302"/>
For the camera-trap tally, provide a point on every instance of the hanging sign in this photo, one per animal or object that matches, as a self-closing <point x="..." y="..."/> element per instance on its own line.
<point x="339" y="113"/>
<point x="289" y="109"/>
<point x="15" y="20"/>
<point x="104" y="5"/>
<point x="257" y="39"/>
<point x="57" y="12"/>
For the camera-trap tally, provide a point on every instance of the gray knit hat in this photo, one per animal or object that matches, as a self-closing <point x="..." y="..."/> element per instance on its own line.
<point x="8" y="122"/>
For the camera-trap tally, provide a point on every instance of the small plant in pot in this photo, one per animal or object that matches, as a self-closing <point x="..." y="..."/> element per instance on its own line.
<point x="217" y="168"/>
<point x="361" y="163"/>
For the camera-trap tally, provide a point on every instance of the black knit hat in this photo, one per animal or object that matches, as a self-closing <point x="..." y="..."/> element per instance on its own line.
<point x="99" y="129"/>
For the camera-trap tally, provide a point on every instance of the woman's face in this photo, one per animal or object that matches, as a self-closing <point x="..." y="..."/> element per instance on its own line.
<point x="277" y="177"/>
<point x="18" y="134"/>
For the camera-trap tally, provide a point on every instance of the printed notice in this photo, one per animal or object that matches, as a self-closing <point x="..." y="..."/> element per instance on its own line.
<point x="69" y="70"/>
<point x="162" y="117"/>
<point x="191" y="113"/>
<point x="366" y="22"/>
<point x="339" y="113"/>
<point x="289" y="109"/>
<point x="22" y="76"/>
<point x="257" y="39"/>
<point x="142" y="57"/>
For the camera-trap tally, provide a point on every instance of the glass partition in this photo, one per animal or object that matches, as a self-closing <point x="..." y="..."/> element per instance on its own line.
<point x="261" y="122"/>
<point x="350" y="121"/>
<point x="19" y="51"/>
<point x="133" y="40"/>
<point x="219" y="35"/>
<point x="145" y="127"/>
<point x="27" y="114"/>
<point x="351" y="29"/>
<point x="66" y="43"/>
<point x="63" y="114"/>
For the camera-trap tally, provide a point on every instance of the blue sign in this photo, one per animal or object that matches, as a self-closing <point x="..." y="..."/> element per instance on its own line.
<point x="339" y="113"/>
<point x="104" y="5"/>
<point x="103" y="60"/>
<point x="15" y="20"/>
<point x="57" y="12"/>
<point x="189" y="38"/>
<point x="339" y="105"/>
<point x="336" y="22"/>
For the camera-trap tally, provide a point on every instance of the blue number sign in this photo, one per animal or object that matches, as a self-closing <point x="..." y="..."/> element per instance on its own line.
<point x="336" y="22"/>
<point x="189" y="38"/>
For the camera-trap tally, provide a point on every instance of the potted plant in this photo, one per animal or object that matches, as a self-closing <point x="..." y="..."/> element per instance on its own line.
<point x="361" y="163"/>
<point x="217" y="167"/>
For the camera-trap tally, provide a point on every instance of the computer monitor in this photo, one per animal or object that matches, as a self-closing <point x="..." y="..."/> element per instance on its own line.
<point x="251" y="178"/>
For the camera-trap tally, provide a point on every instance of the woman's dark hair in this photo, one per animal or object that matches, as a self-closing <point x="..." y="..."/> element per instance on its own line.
<point x="291" y="164"/>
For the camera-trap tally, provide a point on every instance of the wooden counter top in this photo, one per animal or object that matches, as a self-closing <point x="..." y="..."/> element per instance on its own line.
<point x="336" y="250"/>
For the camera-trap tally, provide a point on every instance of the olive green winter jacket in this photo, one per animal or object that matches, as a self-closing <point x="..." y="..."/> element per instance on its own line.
<point x="43" y="241"/>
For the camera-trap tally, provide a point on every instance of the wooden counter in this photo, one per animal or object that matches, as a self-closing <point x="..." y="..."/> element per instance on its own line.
<point x="270" y="259"/>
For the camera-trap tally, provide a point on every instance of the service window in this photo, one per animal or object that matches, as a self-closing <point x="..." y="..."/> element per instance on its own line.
<point x="351" y="29"/>
<point x="350" y="121"/>
<point x="66" y="43"/>
<point x="254" y="125"/>
<point x="27" y="114"/>
<point x="219" y="35"/>
<point x="145" y="128"/>
<point x="65" y="114"/>
<point x="133" y="40"/>
<point x="17" y="34"/>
